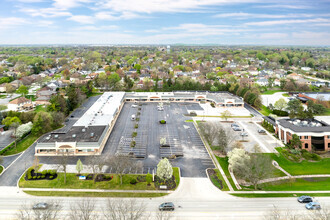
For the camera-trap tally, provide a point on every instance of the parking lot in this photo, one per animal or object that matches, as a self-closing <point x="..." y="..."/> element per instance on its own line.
<point x="184" y="140"/>
<point x="266" y="143"/>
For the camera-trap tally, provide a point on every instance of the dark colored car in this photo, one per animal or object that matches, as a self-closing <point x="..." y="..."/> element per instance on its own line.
<point x="261" y="131"/>
<point x="40" y="205"/>
<point x="72" y="116"/>
<point x="237" y="129"/>
<point x="313" y="206"/>
<point x="166" y="206"/>
<point x="305" y="199"/>
<point x="234" y="125"/>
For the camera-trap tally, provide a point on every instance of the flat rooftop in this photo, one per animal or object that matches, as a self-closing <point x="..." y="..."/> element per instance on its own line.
<point x="75" y="134"/>
<point x="305" y="125"/>
<point x="324" y="96"/>
<point x="103" y="110"/>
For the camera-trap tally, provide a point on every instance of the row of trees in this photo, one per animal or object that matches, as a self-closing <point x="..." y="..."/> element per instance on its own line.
<point x="251" y="95"/>
<point x="88" y="209"/>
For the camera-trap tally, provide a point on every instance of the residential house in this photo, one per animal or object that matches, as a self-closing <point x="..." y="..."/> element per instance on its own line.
<point x="246" y="81"/>
<point x="20" y="104"/>
<point x="294" y="76"/>
<point x="16" y="83"/>
<point x="305" y="68"/>
<point x="262" y="82"/>
<point x="3" y="87"/>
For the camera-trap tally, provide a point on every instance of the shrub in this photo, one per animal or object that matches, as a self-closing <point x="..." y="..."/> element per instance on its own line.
<point x="137" y="119"/>
<point x="295" y="151"/>
<point x="136" y="126"/>
<point x="44" y="172"/>
<point x="133" y="144"/>
<point x="149" y="178"/>
<point x="51" y="177"/>
<point x="134" y="134"/>
<point x="43" y="176"/>
<point x="212" y="104"/>
<point x="192" y="113"/>
<point x="133" y="181"/>
<point x="35" y="177"/>
<point x="316" y="157"/>
<point x="162" y="121"/>
<point x="280" y="113"/>
<point x="306" y="154"/>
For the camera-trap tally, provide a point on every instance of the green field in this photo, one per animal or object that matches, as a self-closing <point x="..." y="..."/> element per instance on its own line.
<point x="223" y="161"/>
<point x="265" y="111"/>
<point x="304" y="167"/>
<point x="93" y="194"/>
<point x="301" y="184"/>
<point x="20" y="146"/>
<point x="270" y="195"/>
<point x="40" y="108"/>
<point x="271" y="92"/>
<point x="73" y="182"/>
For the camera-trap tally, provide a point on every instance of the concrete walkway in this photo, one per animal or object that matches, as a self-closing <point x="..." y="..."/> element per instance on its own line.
<point x="292" y="177"/>
<point x="215" y="161"/>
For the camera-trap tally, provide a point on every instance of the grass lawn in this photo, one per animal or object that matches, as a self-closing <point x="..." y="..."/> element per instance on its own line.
<point x="304" y="167"/>
<point x="271" y="92"/>
<point x="1" y="169"/>
<point x="189" y="120"/>
<point x="73" y="182"/>
<point x="93" y="194"/>
<point x="270" y="195"/>
<point x="21" y="145"/>
<point x="265" y="111"/>
<point x="95" y="94"/>
<point x="2" y="96"/>
<point x="215" y="116"/>
<point x="306" y="184"/>
<point x="176" y="174"/>
<point x="40" y="108"/>
<point x="285" y="95"/>
<point x="225" y="187"/>
<point x="223" y="161"/>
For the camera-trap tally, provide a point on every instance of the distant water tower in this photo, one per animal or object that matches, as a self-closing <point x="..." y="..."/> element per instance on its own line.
<point x="168" y="48"/>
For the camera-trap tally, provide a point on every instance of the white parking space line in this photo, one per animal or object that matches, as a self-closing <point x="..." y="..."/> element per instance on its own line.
<point x="255" y="138"/>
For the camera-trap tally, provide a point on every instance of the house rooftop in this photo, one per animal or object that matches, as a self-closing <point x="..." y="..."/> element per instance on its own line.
<point x="304" y="125"/>
<point x="19" y="100"/>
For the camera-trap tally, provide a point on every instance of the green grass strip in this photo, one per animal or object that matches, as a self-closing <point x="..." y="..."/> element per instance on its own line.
<point x="270" y="195"/>
<point x="93" y="194"/>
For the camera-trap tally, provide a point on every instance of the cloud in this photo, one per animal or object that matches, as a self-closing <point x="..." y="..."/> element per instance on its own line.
<point x="11" y="22"/>
<point x="67" y="4"/>
<point x="83" y="19"/>
<point x="46" y="12"/>
<point x="284" y="22"/>
<point x="30" y="1"/>
<point x="242" y="15"/>
<point x="285" y="6"/>
<point x="273" y="36"/>
<point x="153" y="6"/>
<point x="97" y="28"/>
<point x="110" y="16"/>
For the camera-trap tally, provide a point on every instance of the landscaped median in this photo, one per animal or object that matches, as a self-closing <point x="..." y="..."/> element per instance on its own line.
<point x="134" y="185"/>
<point x="21" y="146"/>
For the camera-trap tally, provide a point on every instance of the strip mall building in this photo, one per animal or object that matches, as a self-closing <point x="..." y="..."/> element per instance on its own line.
<point x="90" y="133"/>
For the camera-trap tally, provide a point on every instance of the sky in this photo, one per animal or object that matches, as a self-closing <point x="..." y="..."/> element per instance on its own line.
<point x="223" y="22"/>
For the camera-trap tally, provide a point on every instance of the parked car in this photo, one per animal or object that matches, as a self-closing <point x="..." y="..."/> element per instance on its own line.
<point x="244" y="134"/>
<point x="234" y="125"/>
<point x="72" y="116"/>
<point x="134" y="106"/>
<point x="237" y="129"/>
<point x="40" y="205"/>
<point x="313" y="206"/>
<point x="305" y="199"/>
<point x="261" y="131"/>
<point x="160" y="108"/>
<point x="166" y="206"/>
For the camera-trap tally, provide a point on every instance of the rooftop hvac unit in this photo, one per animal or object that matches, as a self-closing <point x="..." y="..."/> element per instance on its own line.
<point x="74" y="135"/>
<point x="92" y="135"/>
<point x="83" y="130"/>
<point x="48" y="138"/>
<point x="56" y="136"/>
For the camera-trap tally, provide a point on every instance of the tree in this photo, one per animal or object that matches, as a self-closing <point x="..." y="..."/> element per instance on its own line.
<point x="79" y="166"/>
<point x="316" y="109"/>
<point x="51" y="213"/>
<point x="123" y="209"/>
<point x="58" y="119"/>
<point x="164" y="169"/>
<point x="225" y="138"/>
<point x="23" y="129"/>
<point x="295" y="108"/>
<point x="209" y="131"/>
<point x="237" y="158"/>
<point x="121" y="164"/>
<point x="83" y="210"/>
<point x="23" y="90"/>
<point x="148" y="178"/>
<point x="58" y="104"/>
<point x="62" y="162"/>
<point x="295" y="142"/>
<point x="162" y="141"/>
<point x="280" y="104"/>
<point x="10" y="89"/>
<point x="225" y="115"/>
<point x="113" y="80"/>
<point x="42" y="123"/>
<point x="8" y="121"/>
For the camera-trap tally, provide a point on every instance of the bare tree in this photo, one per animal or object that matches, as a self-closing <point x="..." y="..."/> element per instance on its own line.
<point x="124" y="210"/>
<point x="209" y="131"/>
<point x="92" y="163"/>
<point x="226" y="114"/>
<point x="321" y="214"/>
<point x="62" y="163"/>
<point x="51" y="213"/>
<point x="163" y="215"/>
<point x="83" y="210"/>
<point x="121" y="164"/>
<point x="225" y="138"/>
